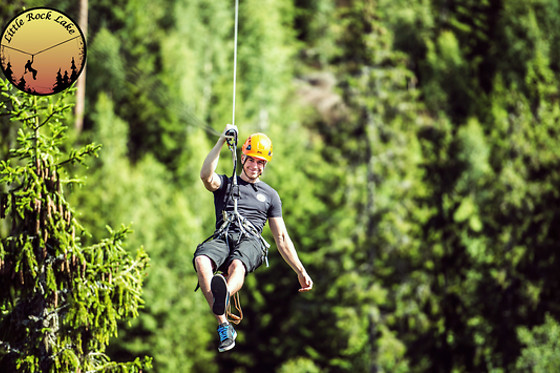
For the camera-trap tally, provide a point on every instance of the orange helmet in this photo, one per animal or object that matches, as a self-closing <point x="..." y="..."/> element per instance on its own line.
<point x="258" y="146"/>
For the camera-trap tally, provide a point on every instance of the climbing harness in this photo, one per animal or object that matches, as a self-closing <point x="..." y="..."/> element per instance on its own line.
<point x="244" y="225"/>
<point x="234" y="217"/>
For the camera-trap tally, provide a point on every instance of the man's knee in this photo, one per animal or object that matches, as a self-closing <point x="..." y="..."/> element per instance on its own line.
<point x="236" y="266"/>
<point x="202" y="262"/>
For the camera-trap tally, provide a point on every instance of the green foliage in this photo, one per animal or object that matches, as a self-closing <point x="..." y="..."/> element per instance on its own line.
<point x="265" y="49"/>
<point x="61" y="301"/>
<point x="163" y="221"/>
<point x="416" y="154"/>
<point x="299" y="365"/>
<point x="541" y="351"/>
<point x="446" y="77"/>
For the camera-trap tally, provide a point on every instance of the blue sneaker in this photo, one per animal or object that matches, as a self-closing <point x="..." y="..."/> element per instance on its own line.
<point x="220" y="293"/>
<point x="227" y="337"/>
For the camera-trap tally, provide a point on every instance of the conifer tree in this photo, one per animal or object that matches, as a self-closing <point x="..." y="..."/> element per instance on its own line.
<point x="59" y="301"/>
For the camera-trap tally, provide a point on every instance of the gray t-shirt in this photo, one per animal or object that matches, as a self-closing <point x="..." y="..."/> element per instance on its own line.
<point x="257" y="202"/>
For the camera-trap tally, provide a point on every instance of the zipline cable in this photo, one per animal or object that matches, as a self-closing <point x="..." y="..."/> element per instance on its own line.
<point x="235" y="58"/>
<point x="232" y="144"/>
<point x="232" y="138"/>
<point x="202" y="124"/>
<point x="43" y="50"/>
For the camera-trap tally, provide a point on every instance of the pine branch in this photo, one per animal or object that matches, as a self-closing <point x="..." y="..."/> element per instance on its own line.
<point x="61" y="302"/>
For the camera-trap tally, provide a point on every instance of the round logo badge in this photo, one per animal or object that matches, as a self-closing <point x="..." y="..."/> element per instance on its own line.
<point x="42" y="51"/>
<point x="261" y="197"/>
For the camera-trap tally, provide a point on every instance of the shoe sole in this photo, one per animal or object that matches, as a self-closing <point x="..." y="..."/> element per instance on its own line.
<point x="220" y="293"/>
<point x="224" y="349"/>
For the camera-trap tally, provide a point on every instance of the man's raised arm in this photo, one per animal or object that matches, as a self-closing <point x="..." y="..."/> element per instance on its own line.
<point x="208" y="171"/>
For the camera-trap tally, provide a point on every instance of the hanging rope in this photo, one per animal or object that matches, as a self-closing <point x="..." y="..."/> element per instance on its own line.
<point x="232" y="141"/>
<point x="230" y="315"/>
<point x="235" y="58"/>
<point x="187" y="114"/>
<point x="233" y="147"/>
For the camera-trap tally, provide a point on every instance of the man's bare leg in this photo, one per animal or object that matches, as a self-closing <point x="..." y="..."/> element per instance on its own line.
<point x="236" y="276"/>
<point x="205" y="272"/>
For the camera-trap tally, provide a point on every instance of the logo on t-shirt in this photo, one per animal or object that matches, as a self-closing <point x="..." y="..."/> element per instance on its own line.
<point x="261" y="197"/>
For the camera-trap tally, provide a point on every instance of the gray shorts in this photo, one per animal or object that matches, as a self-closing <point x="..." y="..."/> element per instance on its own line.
<point x="222" y="252"/>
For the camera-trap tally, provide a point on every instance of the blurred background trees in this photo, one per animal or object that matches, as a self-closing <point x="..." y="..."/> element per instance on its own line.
<point x="416" y="154"/>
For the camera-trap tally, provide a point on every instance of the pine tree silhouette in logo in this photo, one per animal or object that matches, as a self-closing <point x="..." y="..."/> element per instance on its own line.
<point x="22" y="83"/>
<point x="60" y="83"/>
<point x="64" y="81"/>
<point x="74" y="74"/>
<point x="8" y="72"/>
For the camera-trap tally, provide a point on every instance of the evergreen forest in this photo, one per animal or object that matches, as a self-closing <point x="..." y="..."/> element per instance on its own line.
<point x="416" y="152"/>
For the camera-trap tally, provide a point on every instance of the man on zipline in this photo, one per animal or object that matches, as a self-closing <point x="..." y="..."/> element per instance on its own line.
<point x="30" y="68"/>
<point x="237" y="247"/>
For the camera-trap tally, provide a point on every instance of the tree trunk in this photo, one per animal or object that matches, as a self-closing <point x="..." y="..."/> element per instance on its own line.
<point x="81" y="83"/>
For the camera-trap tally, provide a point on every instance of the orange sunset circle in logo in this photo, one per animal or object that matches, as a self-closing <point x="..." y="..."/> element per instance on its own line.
<point x="42" y="51"/>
